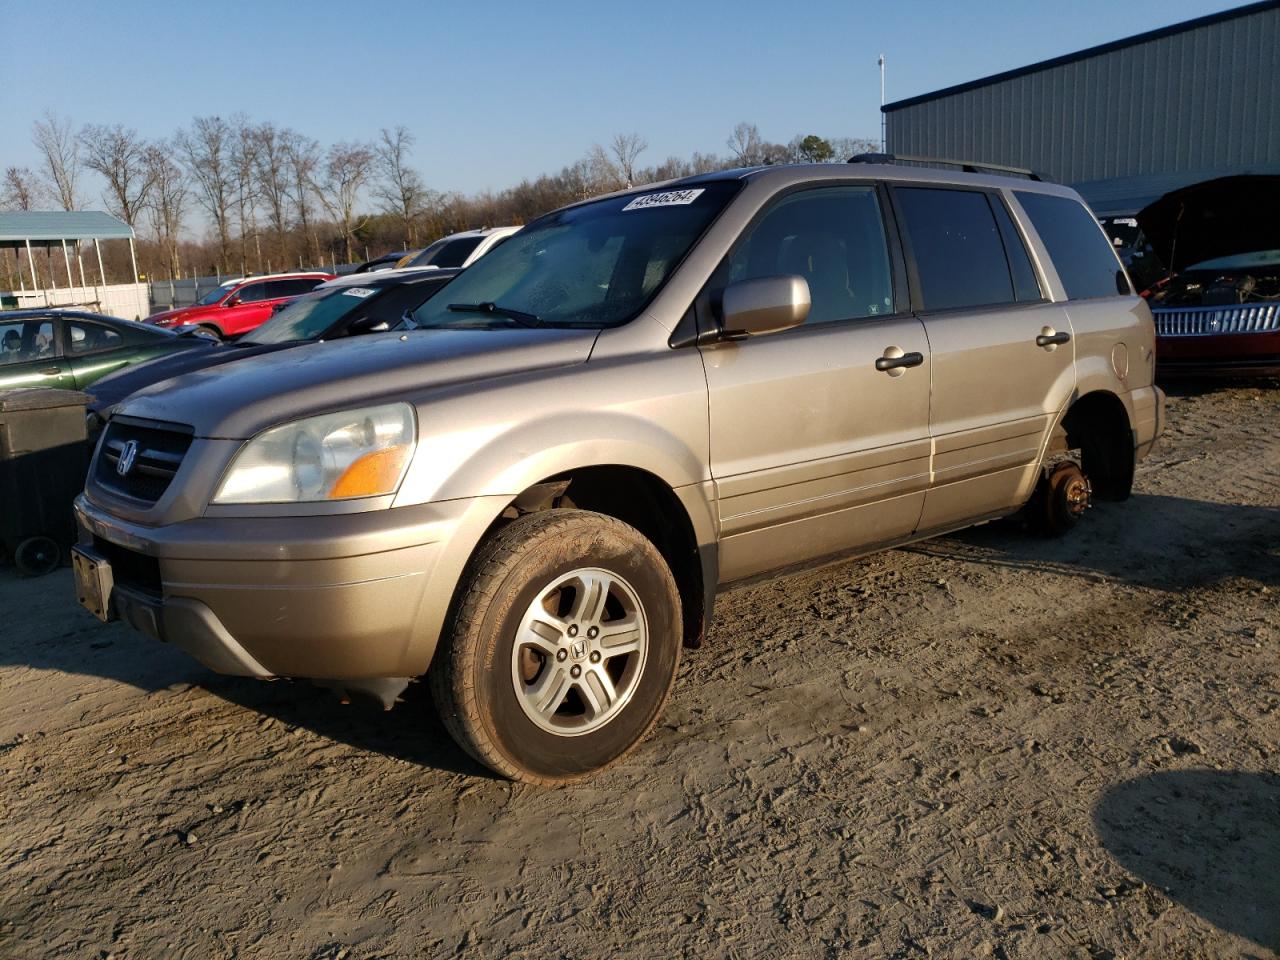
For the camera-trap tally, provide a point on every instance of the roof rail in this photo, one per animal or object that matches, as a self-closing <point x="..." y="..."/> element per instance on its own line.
<point x="969" y="166"/>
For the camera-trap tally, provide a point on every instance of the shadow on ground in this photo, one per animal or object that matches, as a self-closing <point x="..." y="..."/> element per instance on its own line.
<point x="1186" y="544"/>
<point x="1209" y="838"/>
<point x="411" y="732"/>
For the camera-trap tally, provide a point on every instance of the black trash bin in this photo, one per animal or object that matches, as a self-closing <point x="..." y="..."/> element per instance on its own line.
<point x="44" y="457"/>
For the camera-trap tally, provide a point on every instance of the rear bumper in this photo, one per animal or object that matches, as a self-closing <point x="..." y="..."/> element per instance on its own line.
<point x="329" y="597"/>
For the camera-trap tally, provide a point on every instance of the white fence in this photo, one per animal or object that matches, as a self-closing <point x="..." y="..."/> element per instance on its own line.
<point x="128" y="300"/>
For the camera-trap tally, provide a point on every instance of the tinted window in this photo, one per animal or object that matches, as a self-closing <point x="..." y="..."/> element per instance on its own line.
<point x="450" y="253"/>
<point x="291" y="288"/>
<point x="1080" y="250"/>
<point x="958" y="250"/>
<point x="23" y="342"/>
<point x="834" y="238"/>
<point x="89" y="337"/>
<point x="252" y="292"/>
<point x="1025" y="284"/>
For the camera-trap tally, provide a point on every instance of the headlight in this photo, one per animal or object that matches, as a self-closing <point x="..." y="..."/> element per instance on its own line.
<point x="338" y="456"/>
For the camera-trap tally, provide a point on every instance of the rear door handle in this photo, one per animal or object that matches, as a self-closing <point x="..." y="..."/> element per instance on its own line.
<point x="889" y="362"/>
<point x="1050" y="339"/>
<point x="52" y="371"/>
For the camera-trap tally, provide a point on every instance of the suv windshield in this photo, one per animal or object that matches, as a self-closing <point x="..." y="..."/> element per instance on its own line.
<point x="311" y="315"/>
<point x="216" y="294"/>
<point x="595" y="265"/>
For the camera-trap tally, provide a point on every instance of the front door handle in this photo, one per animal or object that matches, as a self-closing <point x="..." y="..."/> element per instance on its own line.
<point x="52" y="371"/>
<point x="1050" y="339"/>
<point x="894" y="361"/>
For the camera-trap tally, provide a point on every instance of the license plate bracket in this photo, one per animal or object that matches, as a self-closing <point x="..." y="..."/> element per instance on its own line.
<point x="94" y="582"/>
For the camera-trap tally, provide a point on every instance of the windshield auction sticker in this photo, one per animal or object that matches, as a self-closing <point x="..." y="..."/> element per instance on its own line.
<point x="668" y="198"/>
<point x="360" y="292"/>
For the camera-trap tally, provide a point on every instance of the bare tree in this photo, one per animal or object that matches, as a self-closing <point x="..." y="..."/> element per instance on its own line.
<point x="167" y="202"/>
<point x="119" y="156"/>
<point x="745" y="144"/>
<point x="244" y="162"/>
<point x="845" y="147"/>
<point x="400" y="188"/>
<point x="57" y="144"/>
<point x="302" y="160"/>
<point x="602" y="175"/>
<point x="626" y="148"/>
<point x="271" y="170"/>
<point x="207" y="150"/>
<point x="21" y="189"/>
<point x="347" y="168"/>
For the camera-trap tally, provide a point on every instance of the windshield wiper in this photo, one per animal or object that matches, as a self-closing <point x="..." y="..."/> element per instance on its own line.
<point x="519" y="316"/>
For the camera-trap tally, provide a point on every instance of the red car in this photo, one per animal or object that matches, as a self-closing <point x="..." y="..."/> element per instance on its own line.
<point x="239" y="306"/>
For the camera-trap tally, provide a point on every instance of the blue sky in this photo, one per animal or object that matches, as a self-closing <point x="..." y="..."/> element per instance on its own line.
<point x="496" y="92"/>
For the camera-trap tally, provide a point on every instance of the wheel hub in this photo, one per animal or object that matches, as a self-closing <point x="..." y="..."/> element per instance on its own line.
<point x="579" y="652"/>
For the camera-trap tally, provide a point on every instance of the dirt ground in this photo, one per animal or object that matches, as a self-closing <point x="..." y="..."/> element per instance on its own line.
<point x="984" y="745"/>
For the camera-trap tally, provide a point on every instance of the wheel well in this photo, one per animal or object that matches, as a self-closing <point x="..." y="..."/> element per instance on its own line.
<point x="642" y="500"/>
<point x="1098" y="426"/>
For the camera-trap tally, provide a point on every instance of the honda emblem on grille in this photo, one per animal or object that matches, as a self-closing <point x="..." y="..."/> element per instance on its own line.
<point x="128" y="454"/>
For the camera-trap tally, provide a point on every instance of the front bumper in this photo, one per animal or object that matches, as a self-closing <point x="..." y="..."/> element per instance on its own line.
<point x="343" y="596"/>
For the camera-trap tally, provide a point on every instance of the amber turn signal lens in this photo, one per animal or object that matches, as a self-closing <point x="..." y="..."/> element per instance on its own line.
<point x="372" y="474"/>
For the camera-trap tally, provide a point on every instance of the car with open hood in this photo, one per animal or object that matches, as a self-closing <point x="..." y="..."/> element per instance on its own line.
<point x="533" y="496"/>
<point x="1217" y="307"/>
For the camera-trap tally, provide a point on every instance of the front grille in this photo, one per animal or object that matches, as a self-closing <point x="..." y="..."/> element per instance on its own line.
<point x="130" y="568"/>
<point x="159" y="454"/>
<point x="1216" y="321"/>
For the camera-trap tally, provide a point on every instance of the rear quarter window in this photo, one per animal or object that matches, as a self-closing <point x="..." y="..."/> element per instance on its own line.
<point x="1081" y="253"/>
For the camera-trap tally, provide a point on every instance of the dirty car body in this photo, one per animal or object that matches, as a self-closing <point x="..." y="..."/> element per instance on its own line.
<point x="721" y="377"/>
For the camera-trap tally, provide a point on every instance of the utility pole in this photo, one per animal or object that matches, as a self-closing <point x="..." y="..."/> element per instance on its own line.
<point x="884" y="145"/>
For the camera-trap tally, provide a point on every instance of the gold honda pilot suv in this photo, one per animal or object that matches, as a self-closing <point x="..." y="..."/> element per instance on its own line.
<point x="532" y="494"/>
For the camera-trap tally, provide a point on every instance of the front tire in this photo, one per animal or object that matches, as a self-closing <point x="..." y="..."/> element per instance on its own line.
<point x="562" y="648"/>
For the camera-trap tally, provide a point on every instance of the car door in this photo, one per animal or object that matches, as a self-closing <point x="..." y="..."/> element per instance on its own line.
<point x="93" y="350"/>
<point x="249" y="309"/>
<point x="814" y="450"/>
<point x="1001" y="356"/>
<point x="30" y="356"/>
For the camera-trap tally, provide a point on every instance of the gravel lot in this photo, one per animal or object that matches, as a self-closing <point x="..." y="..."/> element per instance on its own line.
<point x="984" y="745"/>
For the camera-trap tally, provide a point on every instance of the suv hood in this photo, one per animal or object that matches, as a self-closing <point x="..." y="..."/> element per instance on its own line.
<point x="1216" y="218"/>
<point x="238" y="400"/>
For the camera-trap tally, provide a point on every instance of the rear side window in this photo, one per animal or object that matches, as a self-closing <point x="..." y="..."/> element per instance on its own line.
<point x="291" y="288"/>
<point x="834" y="238"/>
<point x="1081" y="253"/>
<point x="958" y="250"/>
<point x="91" y="337"/>
<point x="1025" y="284"/>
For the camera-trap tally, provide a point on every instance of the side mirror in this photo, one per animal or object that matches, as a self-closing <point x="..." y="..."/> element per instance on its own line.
<point x="750" y="308"/>
<point x="232" y="301"/>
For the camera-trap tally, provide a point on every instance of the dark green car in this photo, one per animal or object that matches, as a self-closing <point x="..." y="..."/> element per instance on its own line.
<point x="70" y="349"/>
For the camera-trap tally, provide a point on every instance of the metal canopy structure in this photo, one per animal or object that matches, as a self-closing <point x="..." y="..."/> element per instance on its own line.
<point x="26" y="229"/>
